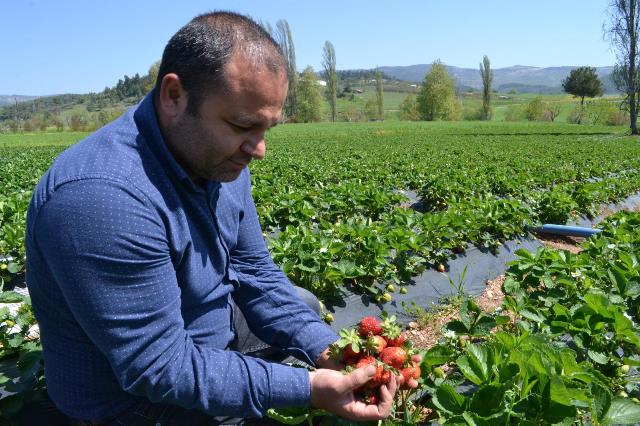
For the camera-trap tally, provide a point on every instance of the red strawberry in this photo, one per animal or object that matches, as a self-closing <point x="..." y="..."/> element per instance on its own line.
<point x="350" y="353"/>
<point x="367" y="360"/>
<point x="382" y="376"/>
<point x="369" y="326"/>
<point x="351" y="360"/>
<point x="392" y="332"/>
<point x="375" y="344"/>
<point x="408" y="373"/>
<point x="398" y="341"/>
<point x="371" y="397"/>
<point x="393" y="356"/>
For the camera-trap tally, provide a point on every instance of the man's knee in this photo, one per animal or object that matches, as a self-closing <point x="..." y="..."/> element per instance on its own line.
<point x="309" y="298"/>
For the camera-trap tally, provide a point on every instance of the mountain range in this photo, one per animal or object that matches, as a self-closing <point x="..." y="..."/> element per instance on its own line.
<point x="518" y="77"/>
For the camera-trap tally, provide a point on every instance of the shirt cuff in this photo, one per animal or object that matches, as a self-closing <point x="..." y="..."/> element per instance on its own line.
<point x="289" y="386"/>
<point x="317" y="337"/>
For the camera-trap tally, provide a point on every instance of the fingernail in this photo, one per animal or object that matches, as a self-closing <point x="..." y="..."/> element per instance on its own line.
<point x="371" y="370"/>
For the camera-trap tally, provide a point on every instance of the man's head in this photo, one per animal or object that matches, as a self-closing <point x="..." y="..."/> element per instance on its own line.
<point x="221" y="84"/>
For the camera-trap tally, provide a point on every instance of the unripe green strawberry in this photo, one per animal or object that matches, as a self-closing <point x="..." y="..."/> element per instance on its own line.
<point x="403" y="290"/>
<point x="328" y="318"/>
<point x="439" y="372"/>
<point x="386" y="297"/>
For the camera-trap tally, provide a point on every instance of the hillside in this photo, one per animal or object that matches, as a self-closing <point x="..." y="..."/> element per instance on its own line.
<point x="11" y="99"/>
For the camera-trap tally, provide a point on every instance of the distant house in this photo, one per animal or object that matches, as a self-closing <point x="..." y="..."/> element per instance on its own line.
<point x="358" y="91"/>
<point x="504" y="97"/>
<point x="321" y="83"/>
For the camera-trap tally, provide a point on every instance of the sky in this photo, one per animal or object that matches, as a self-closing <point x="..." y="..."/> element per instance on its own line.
<point x="80" y="46"/>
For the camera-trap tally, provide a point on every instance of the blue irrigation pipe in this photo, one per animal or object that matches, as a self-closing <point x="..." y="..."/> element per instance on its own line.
<point x="574" y="231"/>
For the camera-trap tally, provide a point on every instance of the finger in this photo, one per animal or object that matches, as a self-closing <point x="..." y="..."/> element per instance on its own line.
<point x="416" y="358"/>
<point x="412" y="383"/>
<point x="387" y="392"/>
<point x="359" y="377"/>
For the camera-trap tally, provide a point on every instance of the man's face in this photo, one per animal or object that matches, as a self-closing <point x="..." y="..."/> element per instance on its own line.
<point x="229" y="130"/>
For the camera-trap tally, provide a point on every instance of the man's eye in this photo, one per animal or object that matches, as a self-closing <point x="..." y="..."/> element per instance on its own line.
<point x="240" y="128"/>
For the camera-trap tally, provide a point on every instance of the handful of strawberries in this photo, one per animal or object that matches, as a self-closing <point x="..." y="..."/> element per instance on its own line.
<point x="381" y="343"/>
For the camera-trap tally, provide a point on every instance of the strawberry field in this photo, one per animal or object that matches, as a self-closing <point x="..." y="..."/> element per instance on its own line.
<point x="366" y="207"/>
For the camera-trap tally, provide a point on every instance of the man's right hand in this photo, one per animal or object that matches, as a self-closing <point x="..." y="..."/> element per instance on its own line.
<point x="333" y="391"/>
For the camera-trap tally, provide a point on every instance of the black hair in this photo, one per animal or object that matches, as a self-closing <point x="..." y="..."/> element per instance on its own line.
<point x="199" y="51"/>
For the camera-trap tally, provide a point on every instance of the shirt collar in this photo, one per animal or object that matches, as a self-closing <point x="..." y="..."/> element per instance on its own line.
<point x="147" y="122"/>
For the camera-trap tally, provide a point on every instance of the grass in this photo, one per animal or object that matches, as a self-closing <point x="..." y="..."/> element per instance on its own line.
<point x="35" y="139"/>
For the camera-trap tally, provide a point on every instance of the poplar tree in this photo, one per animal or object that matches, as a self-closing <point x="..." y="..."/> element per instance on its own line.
<point x="487" y="78"/>
<point x="379" y="94"/>
<point x="331" y="77"/>
<point x="285" y="40"/>
<point x="622" y="31"/>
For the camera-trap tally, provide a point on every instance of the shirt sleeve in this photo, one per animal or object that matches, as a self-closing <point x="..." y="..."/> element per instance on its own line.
<point x="107" y="250"/>
<point x="273" y="310"/>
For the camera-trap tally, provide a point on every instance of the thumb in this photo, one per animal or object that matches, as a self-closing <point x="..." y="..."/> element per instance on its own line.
<point x="361" y="376"/>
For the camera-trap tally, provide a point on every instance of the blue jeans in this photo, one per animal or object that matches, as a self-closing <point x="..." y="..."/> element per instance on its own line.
<point x="147" y="413"/>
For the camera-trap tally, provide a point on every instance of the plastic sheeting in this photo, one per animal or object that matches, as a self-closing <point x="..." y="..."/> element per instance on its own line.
<point x="431" y="286"/>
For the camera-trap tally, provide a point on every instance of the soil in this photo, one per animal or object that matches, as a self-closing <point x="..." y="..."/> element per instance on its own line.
<point x="427" y="335"/>
<point x="561" y="242"/>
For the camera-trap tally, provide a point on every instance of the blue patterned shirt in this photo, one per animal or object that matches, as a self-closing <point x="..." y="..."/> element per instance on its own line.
<point x="131" y="269"/>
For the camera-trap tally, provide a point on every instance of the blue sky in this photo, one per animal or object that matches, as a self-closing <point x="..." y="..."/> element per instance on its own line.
<point x="78" y="46"/>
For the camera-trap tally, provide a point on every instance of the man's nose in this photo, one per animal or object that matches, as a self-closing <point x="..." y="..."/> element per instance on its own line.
<point x="255" y="147"/>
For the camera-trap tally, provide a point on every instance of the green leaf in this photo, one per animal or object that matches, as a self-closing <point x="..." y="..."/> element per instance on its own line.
<point x="30" y="363"/>
<point x="559" y="393"/>
<point x="447" y="399"/>
<point x="510" y="286"/>
<point x="487" y="400"/>
<point x="294" y="415"/>
<point x="13" y="268"/>
<point x="437" y="355"/>
<point x="474" y="365"/>
<point x="11" y="297"/>
<point x="601" y="400"/>
<point x="457" y="326"/>
<point x="11" y="405"/>
<point x="598" y="357"/>
<point x="532" y="316"/>
<point x="622" y="411"/>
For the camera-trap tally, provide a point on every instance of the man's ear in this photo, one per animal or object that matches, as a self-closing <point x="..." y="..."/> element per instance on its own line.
<point x="172" y="99"/>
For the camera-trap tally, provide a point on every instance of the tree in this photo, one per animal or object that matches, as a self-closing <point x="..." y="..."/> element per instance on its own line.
<point x="622" y="31"/>
<point x="330" y="75"/>
<point x="371" y="109"/>
<point x="436" y="99"/>
<point x="284" y="39"/>
<point x="487" y="78"/>
<point x="309" y="97"/>
<point x="151" y="77"/>
<point x="535" y="109"/>
<point x="409" y="108"/>
<point x="583" y="82"/>
<point x="379" y="94"/>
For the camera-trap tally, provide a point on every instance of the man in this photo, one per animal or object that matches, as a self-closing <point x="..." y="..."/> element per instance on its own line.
<point x="143" y="237"/>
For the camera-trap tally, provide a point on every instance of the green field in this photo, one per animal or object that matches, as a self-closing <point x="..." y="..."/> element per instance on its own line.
<point x="367" y="205"/>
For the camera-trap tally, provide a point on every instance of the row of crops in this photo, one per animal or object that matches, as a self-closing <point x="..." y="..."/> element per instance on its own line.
<point x="362" y="206"/>
<point x="565" y="349"/>
<point x="333" y="198"/>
